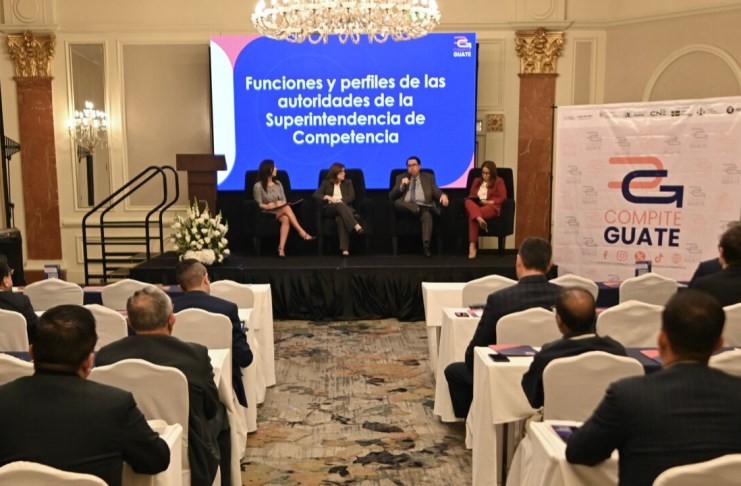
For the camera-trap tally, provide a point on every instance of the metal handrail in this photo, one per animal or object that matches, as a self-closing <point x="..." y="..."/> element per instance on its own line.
<point x="119" y="196"/>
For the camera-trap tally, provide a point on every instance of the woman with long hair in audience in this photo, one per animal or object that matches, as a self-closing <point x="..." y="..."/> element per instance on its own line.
<point x="270" y="196"/>
<point x="336" y="194"/>
<point x="488" y="192"/>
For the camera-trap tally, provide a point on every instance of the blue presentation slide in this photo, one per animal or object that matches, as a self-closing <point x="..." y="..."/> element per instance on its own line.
<point x="368" y="106"/>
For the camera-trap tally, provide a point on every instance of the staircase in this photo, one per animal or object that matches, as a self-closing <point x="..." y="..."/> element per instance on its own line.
<point x="112" y="246"/>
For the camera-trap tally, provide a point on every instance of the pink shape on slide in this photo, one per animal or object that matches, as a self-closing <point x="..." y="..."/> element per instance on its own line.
<point x="233" y="45"/>
<point x="463" y="179"/>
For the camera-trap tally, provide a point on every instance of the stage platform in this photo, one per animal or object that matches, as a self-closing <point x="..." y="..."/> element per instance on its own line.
<point x="336" y="288"/>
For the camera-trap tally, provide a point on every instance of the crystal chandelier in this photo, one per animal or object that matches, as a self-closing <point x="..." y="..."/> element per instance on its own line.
<point x="315" y="20"/>
<point x="89" y="128"/>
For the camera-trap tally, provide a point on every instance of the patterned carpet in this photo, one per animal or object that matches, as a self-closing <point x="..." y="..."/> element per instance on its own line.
<point x="353" y="406"/>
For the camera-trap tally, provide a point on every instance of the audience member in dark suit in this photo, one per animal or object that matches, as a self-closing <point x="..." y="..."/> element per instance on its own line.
<point x="416" y="192"/>
<point x="532" y="290"/>
<point x="726" y="284"/>
<point x="337" y="194"/>
<point x="685" y="413"/>
<point x="15" y="302"/>
<point x="488" y="192"/>
<point x="150" y="316"/>
<point x="58" y="418"/>
<point x="575" y="317"/>
<point x="705" y="268"/>
<point x="193" y="279"/>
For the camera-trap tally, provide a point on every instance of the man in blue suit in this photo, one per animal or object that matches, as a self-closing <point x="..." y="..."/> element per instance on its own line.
<point x="685" y="413"/>
<point x="193" y="279"/>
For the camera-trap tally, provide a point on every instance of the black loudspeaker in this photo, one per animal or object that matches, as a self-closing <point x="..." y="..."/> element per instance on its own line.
<point x="11" y="245"/>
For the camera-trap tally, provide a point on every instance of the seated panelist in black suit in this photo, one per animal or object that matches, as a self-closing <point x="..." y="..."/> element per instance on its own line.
<point x="336" y="194"/>
<point x="13" y="301"/>
<point x="59" y="418"/>
<point x="416" y="192"/>
<point x="149" y="314"/>
<point x="192" y="277"/>
<point x="270" y="196"/>
<point x="725" y="285"/>
<point x="685" y="413"/>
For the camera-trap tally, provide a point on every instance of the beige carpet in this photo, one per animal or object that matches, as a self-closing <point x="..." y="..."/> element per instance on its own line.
<point x="353" y="405"/>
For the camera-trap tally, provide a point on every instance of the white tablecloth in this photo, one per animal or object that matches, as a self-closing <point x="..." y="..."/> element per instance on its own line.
<point x="252" y="377"/>
<point x="173" y="475"/>
<point x="436" y="296"/>
<point x="455" y="334"/>
<point x="498" y="399"/>
<point x="541" y="461"/>
<point x="221" y="362"/>
<point x="261" y="324"/>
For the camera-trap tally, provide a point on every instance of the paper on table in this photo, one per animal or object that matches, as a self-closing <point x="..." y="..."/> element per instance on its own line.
<point x="157" y="425"/>
<point x="652" y="353"/>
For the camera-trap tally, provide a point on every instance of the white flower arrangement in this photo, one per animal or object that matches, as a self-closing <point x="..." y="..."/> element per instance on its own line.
<point x="197" y="235"/>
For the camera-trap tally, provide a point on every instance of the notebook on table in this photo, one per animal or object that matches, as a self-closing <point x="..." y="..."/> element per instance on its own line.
<point x="513" y="349"/>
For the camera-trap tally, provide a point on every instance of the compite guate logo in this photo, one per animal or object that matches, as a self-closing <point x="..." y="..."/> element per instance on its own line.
<point x="632" y="181"/>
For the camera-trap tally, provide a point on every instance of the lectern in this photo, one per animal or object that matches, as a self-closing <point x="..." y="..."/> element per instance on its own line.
<point x="201" y="169"/>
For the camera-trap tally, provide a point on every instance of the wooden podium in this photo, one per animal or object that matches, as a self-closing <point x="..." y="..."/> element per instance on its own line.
<point x="201" y="169"/>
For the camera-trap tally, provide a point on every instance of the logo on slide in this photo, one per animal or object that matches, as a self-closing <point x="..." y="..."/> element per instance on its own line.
<point x="629" y="182"/>
<point x="462" y="46"/>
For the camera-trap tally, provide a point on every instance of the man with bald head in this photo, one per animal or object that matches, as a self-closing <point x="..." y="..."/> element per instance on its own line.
<point x="575" y="317"/>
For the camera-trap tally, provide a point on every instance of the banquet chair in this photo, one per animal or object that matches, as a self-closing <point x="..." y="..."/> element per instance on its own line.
<point x="115" y="295"/>
<point x="732" y="329"/>
<point x="240" y="294"/>
<point x="259" y="224"/>
<point x="215" y="332"/>
<point x="500" y="226"/>
<point x="12" y="368"/>
<point x="721" y="471"/>
<point x="13" y="332"/>
<point x="728" y="361"/>
<point x="327" y="226"/>
<point x="651" y="288"/>
<point x="109" y="325"/>
<point x="534" y="327"/>
<point x="48" y="293"/>
<point x="633" y="324"/>
<point x="35" y="474"/>
<point x="574" y="386"/>
<point x="477" y="291"/>
<point x="160" y="392"/>
<point x="407" y="224"/>
<point x="572" y="280"/>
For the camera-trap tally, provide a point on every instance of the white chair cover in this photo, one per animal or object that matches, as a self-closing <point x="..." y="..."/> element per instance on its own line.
<point x="12" y="368"/>
<point x="732" y="329"/>
<point x="215" y="332"/>
<point x="535" y="327"/>
<point x="574" y="386"/>
<point x="572" y="280"/>
<point x="13" y="333"/>
<point x="161" y="392"/>
<point x="728" y="361"/>
<point x="115" y="295"/>
<point x="240" y="294"/>
<point x="633" y="324"/>
<point x="48" y="293"/>
<point x="477" y="291"/>
<point x="109" y="325"/>
<point x="651" y="288"/>
<point x="35" y="474"/>
<point x="721" y="471"/>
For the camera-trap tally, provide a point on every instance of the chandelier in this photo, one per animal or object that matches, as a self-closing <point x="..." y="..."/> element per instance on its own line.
<point x="89" y="128"/>
<point x="315" y="20"/>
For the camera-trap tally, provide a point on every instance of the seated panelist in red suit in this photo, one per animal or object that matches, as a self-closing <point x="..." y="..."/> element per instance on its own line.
<point x="488" y="192"/>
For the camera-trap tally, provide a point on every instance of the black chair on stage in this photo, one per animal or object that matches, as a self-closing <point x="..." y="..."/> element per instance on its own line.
<point x="259" y="224"/>
<point x="500" y="226"/>
<point x="327" y="225"/>
<point x="407" y="224"/>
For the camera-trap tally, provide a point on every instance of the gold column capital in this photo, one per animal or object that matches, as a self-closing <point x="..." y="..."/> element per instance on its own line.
<point x="538" y="50"/>
<point x="32" y="54"/>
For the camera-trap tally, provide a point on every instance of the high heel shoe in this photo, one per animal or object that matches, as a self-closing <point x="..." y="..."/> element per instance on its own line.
<point x="281" y="253"/>
<point x="359" y="230"/>
<point x="345" y="253"/>
<point x="483" y="225"/>
<point x="308" y="237"/>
